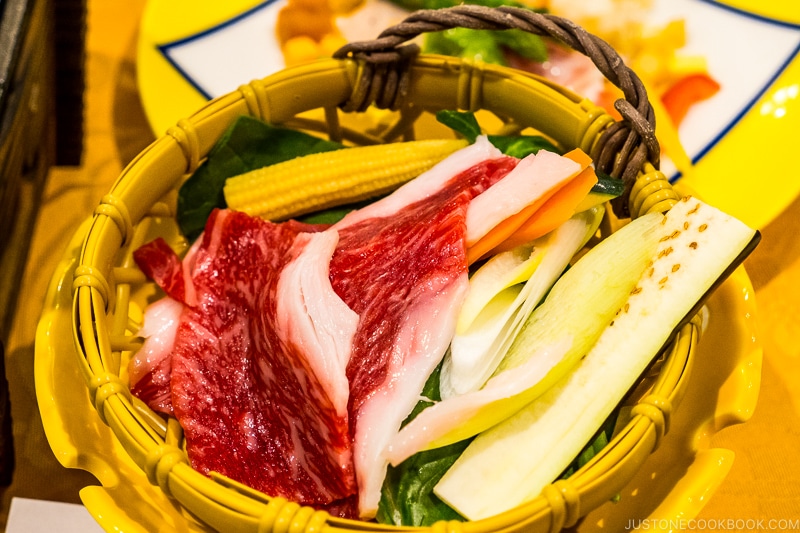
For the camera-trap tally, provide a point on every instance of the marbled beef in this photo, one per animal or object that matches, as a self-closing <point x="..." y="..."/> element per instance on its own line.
<point x="401" y="265"/>
<point x="245" y="387"/>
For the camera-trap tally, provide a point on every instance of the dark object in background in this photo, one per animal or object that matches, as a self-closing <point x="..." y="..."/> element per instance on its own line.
<point x="27" y="135"/>
<point x="6" y="437"/>
<point x="70" y="69"/>
<point x="28" y="126"/>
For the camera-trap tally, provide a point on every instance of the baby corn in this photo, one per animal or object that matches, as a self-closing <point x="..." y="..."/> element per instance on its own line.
<point x="319" y="181"/>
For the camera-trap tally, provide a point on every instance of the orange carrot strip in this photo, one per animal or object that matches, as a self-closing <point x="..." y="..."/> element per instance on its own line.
<point x="502" y="231"/>
<point x="555" y="211"/>
<point x="580" y="157"/>
<point x="510" y="225"/>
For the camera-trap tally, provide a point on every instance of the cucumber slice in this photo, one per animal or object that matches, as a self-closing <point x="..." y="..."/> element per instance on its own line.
<point x="512" y="462"/>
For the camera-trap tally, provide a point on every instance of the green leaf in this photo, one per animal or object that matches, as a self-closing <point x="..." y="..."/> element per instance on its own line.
<point x="525" y="44"/>
<point x="442" y="43"/>
<point x="430" y="394"/>
<point x="522" y="145"/>
<point x="334" y="214"/>
<point x="484" y="45"/>
<point x="462" y="122"/>
<point x="407" y="497"/>
<point x="477" y="45"/>
<point x="465" y="124"/>
<point x="608" y="185"/>
<point x="413" y="5"/>
<point x="248" y="144"/>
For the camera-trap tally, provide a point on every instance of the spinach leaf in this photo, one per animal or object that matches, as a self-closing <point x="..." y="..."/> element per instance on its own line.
<point x="522" y="145"/>
<point x="248" y="144"/>
<point x="462" y="122"/>
<point x="407" y="497"/>
<point x="465" y="123"/>
<point x="334" y="214"/>
<point x="430" y="394"/>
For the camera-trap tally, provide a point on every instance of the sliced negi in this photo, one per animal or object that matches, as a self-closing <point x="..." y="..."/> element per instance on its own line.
<point x="550" y="342"/>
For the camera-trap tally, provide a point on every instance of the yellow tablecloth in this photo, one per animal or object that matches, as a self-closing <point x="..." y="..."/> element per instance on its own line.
<point x="764" y="482"/>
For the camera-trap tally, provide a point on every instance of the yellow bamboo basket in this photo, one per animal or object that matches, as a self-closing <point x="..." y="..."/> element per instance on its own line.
<point x="333" y="97"/>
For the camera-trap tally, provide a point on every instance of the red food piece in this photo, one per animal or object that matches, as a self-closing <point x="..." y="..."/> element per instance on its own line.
<point x="159" y="263"/>
<point x="237" y="385"/>
<point x="686" y="92"/>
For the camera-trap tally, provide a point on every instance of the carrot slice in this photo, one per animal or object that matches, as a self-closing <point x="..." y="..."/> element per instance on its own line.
<point x="512" y="224"/>
<point x="502" y="231"/>
<point x="554" y="212"/>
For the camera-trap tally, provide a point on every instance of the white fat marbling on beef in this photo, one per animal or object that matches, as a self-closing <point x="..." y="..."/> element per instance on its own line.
<point x="150" y="367"/>
<point x="313" y="317"/>
<point x="426" y="184"/>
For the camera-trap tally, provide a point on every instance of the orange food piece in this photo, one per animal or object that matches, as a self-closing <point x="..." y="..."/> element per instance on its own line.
<point x="554" y="212"/>
<point x="558" y="207"/>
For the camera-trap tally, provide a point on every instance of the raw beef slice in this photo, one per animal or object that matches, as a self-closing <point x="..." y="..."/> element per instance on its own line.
<point x="253" y="407"/>
<point x="402" y="267"/>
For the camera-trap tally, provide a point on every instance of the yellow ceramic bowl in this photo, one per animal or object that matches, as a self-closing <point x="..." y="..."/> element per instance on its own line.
<point x="739" y="139"/>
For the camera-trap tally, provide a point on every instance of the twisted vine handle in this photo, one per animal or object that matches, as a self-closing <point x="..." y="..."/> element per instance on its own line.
<point x="624" y="147"/>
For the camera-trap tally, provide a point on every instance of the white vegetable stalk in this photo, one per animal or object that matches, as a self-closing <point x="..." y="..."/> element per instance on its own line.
<point x="502" y="294"/>
<point x="551" y="342"/>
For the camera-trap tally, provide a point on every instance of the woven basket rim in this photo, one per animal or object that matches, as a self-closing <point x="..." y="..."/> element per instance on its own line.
<point x="100" y="309"/>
